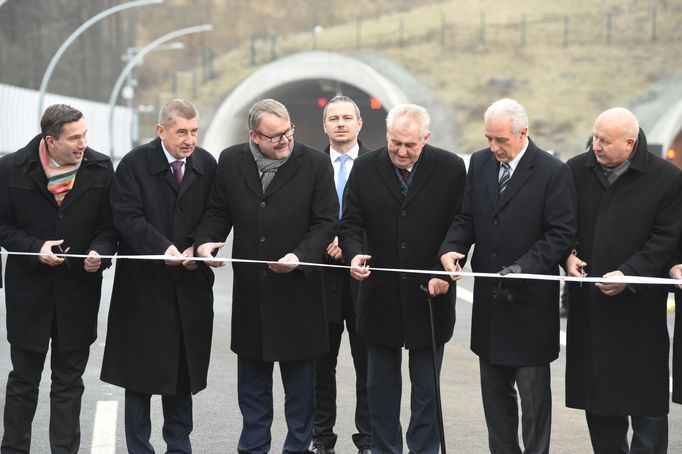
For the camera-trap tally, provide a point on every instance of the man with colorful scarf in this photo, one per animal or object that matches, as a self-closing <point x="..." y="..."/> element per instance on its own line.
<point x="54" y="199"/>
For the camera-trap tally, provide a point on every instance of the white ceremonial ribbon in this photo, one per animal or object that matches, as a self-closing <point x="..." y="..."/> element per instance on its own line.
<point x="542" y="277"/>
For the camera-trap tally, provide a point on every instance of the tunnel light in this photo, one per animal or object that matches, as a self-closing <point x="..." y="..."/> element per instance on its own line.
<point x="375" y="103"/>
<point x="670" y="154"/>
<point x="322" y="102"/>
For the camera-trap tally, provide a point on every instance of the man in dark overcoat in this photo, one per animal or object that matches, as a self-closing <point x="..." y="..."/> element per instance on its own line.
<point x="519" y="211"/>
<point x="676" y="273"/>
<point x="278" y="195"/>
<point x="341" y="122"/>
<point x="629" y="205"/>
<point x="161" y="314"/>
<point x="54" y="197"/>
<point x="399" y="202"/>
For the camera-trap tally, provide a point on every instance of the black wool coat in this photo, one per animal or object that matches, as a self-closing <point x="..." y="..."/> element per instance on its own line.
<point x="154" y="306"/>
<point x="38" y="296"/>
<point x="533" y="225"/>
<point x="334" y="277"/>
<point x="677" y="339"/>
<point x="275" y="316"/>
<point x="617" y="346"/>
<point x="401" y="232"/>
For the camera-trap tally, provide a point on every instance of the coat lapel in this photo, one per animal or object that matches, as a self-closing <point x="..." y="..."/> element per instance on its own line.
<point x="286" y="172"/>
<point x="84" y="180"/>
<point x="249" y="171"/>
<point x="521" y="174"/>
<point x="423" y="171"/>
<point x="491" y="171"/>
<point x="388" y="176"/>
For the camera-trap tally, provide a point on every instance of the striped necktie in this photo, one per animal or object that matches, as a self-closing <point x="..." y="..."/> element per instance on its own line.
<point x="504" y="178"/>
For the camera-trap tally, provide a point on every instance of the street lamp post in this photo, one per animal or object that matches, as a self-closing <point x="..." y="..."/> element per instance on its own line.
<point x="131" y="64"/>
<point x="87" y="24"/>
<point x="128" y="91"/>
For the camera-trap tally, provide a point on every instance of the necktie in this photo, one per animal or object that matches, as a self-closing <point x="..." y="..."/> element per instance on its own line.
<point x="504" y="178"/>
<point x="341" y="179"/>
<point x="405" y="174"/>
<point x="177" y="170"/>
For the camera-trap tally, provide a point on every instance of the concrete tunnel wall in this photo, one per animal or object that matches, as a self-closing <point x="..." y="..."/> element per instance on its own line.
<point x="228" y="125"/>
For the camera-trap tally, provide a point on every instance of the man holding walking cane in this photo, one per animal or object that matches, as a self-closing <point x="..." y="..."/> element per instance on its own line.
<point x="398" y="205"/>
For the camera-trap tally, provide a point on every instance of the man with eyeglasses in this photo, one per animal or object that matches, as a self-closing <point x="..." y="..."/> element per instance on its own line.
<point x="54" y="198"/>
<point x="279" y="197"/>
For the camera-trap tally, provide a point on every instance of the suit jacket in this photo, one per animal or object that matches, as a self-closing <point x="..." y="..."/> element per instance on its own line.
<point x="154" y="306"/>
<point x="334" y="277"/>
<point x="275" y="316"/>
<point x="37" y="295"/>
<point x="533" y="225"/>
<point x="617" y="346"/>
<point x="401" y="232"/>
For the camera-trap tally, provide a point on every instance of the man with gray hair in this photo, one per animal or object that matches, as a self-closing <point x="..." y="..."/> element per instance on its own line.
<point x="399" y="202"/>
<point x="161" y="314"/>
<point x="519" y="210"/>
<point x="278" y="195"/>
<point x="629" y="205"/>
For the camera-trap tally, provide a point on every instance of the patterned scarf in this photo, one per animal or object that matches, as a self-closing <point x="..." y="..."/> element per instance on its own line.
<point x="60" y="179"/>
<point x="267" y="166"/>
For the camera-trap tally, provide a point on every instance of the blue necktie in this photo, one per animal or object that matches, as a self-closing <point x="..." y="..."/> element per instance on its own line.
<point x="341" y="179"/>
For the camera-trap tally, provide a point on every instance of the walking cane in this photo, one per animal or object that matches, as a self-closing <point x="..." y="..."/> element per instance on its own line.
<point x="436" y="370"/>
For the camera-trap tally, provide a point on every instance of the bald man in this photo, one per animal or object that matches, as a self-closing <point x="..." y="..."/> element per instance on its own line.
<point x="629" y="205"/>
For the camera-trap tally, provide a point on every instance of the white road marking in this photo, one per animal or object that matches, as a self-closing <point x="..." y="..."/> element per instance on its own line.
<point x="104" y="431"/>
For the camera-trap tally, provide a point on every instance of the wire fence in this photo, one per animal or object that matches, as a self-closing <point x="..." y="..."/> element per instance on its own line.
<point x="622" y="27"/>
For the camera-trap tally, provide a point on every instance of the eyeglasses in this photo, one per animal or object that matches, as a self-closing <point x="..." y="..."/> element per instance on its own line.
<point x="289" y="133"/>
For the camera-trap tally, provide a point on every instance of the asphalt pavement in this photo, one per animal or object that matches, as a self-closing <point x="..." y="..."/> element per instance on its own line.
<point x="217" y="421"/>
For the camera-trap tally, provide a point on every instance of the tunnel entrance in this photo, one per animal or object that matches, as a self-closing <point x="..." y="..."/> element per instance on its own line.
<point x="305" y="100"/>
<point x="303" y="82"/>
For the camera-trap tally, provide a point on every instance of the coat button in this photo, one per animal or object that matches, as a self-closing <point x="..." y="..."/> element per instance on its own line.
<point x="496" y="221"/>
<point x="178" y="210"/>
<point x="262" y="204"/>
<point x="403" y="213"/>
<point x="60" y="216"/>
<point x="403" y="276"/>
<point x="403" y="245"/>
<point x="493" y="256"/>
<point x="264" y="273"/>
<point x="262" y="239"/>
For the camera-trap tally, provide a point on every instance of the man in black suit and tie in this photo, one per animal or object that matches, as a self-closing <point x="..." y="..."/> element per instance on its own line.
<point x="398" y="205"/>
<point x="519" y="210"/>
<point x="342" y="122"/>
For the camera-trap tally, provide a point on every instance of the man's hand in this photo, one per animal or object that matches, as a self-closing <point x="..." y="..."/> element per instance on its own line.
<point x="287" y="263"/>
<point x="334" y="251"/>
<point x="47" y="256"/>
<point x="450" y="261"/>
<point x="189" y="264"/>
<point x="438" y="286"/>
<point x="511" y="269"/>
<point x="358" y="267"/>
<point x="173" y="252"/>
<point x="92" y="262"/>
<point x="575" y="266"/>
<point x="206" y="250"/>
<point x="611" y="289"/>
<point x="676" y="273"/>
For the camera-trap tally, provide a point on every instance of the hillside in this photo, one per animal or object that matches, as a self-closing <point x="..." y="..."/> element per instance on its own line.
<point x="566" y="61"/>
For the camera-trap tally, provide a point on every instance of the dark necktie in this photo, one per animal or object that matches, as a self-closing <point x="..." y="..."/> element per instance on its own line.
<point x="177" y="170"/>
<point x="405" y="174"/>
<point x="504" y="178"/>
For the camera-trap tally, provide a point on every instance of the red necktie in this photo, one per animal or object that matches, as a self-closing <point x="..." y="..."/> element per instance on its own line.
<point x="177" y="170"/>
